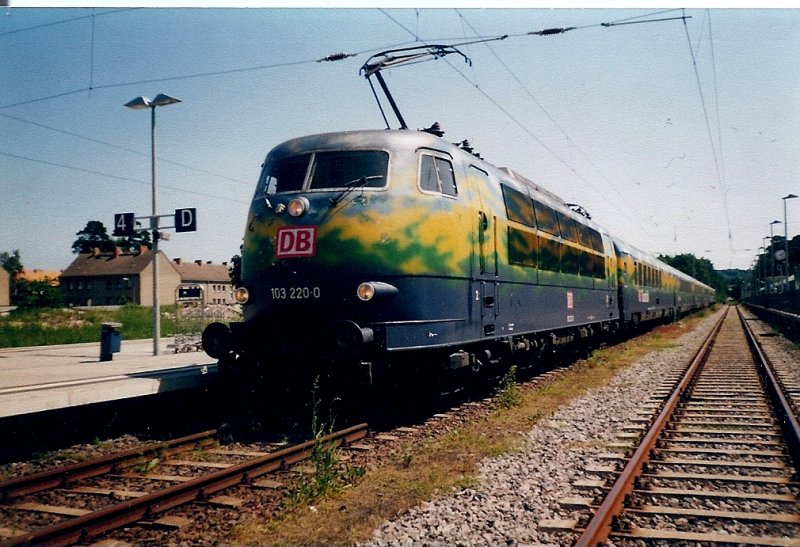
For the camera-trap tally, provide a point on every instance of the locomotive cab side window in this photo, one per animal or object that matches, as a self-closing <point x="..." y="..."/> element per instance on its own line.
<point x="436" y="175"/>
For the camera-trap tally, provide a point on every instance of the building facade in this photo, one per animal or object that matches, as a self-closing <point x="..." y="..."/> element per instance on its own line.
<point x="213" y="278"/>
<point x="115" y="278"/>
<point x="5" y="288"/>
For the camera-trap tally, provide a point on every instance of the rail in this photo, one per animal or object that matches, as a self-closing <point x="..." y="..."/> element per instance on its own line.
<point x="790" y="425"/>
<point x="61" y="476"/>
<point x="599" y="527"/>
<point x="614" y="505"/>
<point x="82" y="528"/>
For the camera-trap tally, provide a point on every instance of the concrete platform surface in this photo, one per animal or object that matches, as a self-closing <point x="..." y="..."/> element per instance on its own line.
<point x="36" y="379"/>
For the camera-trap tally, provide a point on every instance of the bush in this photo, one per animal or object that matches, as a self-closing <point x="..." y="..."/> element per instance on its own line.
<point x="41" y="327"/>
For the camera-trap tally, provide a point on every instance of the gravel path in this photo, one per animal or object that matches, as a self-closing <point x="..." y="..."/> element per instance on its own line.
<point x="519" y="490"/>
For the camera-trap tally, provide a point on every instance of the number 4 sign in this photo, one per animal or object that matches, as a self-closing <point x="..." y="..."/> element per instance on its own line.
<point x="123" y="224"/>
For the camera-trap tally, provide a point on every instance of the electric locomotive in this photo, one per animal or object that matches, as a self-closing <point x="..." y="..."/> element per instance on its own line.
<point x="363" y="248"/>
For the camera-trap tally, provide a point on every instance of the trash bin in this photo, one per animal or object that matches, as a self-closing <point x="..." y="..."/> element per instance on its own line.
<point x="110" y="340"/>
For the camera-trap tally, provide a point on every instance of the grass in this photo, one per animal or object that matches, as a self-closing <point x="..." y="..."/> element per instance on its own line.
<point x="448" y="463"/>
<point x="508" y="395"/>
<point x="329" y="475"/>
<point x="42" y="327"/>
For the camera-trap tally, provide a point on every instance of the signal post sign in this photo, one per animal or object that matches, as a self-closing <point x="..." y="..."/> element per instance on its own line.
<point x="185" y="221"/>
<point x="124" y="224"/>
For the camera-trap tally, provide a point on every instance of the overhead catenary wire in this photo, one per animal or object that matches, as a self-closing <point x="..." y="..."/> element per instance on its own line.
<point x="342" y="56"/>
<point x="116" y="177"/>
<point x="552" y="120"/>
<point x="124" y="148"/>
<point x="716" y="156"/>
<point x="506" y="112"/>
<point x="497" y="104"/>
<point x="64" y="21"/>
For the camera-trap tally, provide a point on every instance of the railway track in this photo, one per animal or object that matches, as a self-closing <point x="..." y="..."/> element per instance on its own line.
<point x="98" y="509"/>
<point x="718" y="463"/>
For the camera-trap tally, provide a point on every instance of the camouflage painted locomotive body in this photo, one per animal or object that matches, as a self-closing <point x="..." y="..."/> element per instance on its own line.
<point x="368" y="245"/>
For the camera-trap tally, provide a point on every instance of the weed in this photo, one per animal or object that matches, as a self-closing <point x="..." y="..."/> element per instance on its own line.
<point x="328" y="476"/>
<point x="56" y="456"/>
<point x="146" y="466"/>
<point x="508" y="394"/>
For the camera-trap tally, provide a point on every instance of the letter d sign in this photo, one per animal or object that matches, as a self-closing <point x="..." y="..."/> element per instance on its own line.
<point x="186" y="220"/>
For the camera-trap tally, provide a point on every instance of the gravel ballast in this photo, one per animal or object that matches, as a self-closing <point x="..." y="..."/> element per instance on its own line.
<point x="517" y="491"/>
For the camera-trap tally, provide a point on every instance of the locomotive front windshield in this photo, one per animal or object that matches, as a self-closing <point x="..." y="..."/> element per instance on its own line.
<point x="325" y="171"/>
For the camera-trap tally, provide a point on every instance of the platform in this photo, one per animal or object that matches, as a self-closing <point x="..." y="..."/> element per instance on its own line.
<point x="36" y="379"/>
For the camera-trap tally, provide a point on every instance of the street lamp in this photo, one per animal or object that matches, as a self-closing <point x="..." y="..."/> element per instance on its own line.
<point x="137" y="104"/>
<point x="786" y="237"/>
<point x="772" y="244"/>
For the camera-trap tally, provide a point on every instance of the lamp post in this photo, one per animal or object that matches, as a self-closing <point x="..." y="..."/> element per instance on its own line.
<point x="772" y="244"/>
<point x="140" y="103"/>
<point x="765" y="270"/>
<point x="786" y="238"/>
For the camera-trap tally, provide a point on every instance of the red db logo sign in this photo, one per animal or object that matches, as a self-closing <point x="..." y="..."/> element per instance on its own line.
<point x="296" y="241"/>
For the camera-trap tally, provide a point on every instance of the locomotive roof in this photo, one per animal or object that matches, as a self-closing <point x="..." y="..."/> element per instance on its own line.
<point x="401" y="138"/>
<point x="366" y="138"/>
<point x="392" y="139"/>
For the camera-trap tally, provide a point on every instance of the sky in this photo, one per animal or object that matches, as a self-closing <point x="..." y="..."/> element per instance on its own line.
<point x="678" y="136"/>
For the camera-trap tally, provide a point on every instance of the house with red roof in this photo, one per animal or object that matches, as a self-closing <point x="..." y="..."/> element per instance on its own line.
<point x="114" y="278"/>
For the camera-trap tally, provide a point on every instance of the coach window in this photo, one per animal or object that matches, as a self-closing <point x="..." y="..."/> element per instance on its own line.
<point x="599" y="266"/>
<point x="546" y="218"/>
<point x="436" y="175"/>
<point x="549" y="254"/>
<point x="518" y="206"/>
<point x="522" y="247"/>
<point x="568" y="229"/>
<point x="570" y="259"/>
<point x="597" y="241"/>
<point x="585" y="234"/>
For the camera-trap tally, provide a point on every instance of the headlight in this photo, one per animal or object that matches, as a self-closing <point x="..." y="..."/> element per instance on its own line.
<point x="297" y="206"/>
<point x="365" y="291"/>
<point x="241" y="295"/>
<point x="371" y="289"/>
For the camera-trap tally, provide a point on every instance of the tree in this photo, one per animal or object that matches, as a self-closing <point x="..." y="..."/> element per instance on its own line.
<point x="94" y="235"/>
<point x="135" y="242"/>
<point x="38" y="294"/>
<point x="235" y="271"/>
<point x="29" y="294"/>
<point x="12" y="263"/>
